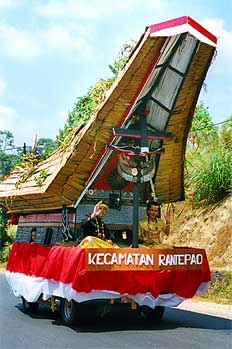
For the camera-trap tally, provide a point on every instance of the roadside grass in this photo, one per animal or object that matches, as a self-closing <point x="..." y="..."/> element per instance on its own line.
<point x="220" y="290"/>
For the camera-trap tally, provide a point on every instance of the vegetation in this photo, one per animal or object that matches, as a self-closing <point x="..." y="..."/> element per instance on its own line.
<point x="220" y="290"/>
<point x="226" y="133"/>
<point x="41" y="177"/>
<point x="10" y="234"/>
<point x="8" y="159"/>
<point x="44" y="147"/>
<point x="13" y="157"/>
<point x="212" y="178"/>
<point x="209" y="159"/>
<point x="4" y="238"/>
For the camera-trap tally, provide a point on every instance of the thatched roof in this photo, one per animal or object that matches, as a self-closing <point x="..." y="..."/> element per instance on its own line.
<point x="143" y="80"/>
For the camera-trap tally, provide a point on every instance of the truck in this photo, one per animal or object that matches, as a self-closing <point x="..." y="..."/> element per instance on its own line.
<point x="132" y="147"/>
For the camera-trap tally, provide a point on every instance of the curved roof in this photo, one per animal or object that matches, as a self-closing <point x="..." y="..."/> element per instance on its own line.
<point x="163" y="76"/>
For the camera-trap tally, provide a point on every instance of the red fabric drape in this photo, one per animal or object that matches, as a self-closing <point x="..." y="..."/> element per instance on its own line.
<point x="67" y="265"/>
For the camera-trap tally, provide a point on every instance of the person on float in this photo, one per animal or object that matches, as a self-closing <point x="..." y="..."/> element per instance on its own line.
<point x="152" y="227"/>
<point x="33" y="235"/>
<point x="94" y="224"/>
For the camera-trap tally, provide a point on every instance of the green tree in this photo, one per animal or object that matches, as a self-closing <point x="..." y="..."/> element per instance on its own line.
<point x="44" y="147"/>
<point x="8" y="160"/>
<point x="6" y="140"/>
<point x="226" y="133"/>
<point x="203" y="131"/>
<point x="8" y="156"/>
<point x="3" y="232"/>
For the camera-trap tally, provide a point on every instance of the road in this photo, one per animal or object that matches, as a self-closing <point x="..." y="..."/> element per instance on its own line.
<point x="178" y="329"/>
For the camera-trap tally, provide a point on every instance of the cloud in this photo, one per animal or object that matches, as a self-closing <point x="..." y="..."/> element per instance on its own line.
<point x="62" y="117"/>
<point x="63" y="32"/>
<point x="2" y="86"/>
<point x="68" y="39"/>
<point x="224" y="48"/>
<point x="4" y="4"/>
<point x="21" y="45"/>
<point x="92" y="9"/>
<point x="81" y="9"/>
<point x="18" y="44"/>
<point x="8" y="118"/>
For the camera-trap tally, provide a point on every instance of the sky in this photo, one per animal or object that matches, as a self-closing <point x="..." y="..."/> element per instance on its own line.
<point x="53" y="51"/>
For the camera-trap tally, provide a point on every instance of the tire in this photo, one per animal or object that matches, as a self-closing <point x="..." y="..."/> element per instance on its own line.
<point x="29" y="307"/>
<point x="69" y="311"/>
<point x="154" y="315"/>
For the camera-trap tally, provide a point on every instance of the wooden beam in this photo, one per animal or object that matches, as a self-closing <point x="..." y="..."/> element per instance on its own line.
<point x="133" y="133"/>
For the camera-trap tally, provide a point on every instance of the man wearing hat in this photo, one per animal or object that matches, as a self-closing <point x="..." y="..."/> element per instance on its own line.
<point x="151" y="228"/>
<point x="94" y="225"/>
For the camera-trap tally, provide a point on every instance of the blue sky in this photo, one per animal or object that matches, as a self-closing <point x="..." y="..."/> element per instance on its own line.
<point x="53" y="51"/>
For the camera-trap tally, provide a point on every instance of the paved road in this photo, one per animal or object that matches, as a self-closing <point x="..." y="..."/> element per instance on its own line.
<point x="179" y="329"/>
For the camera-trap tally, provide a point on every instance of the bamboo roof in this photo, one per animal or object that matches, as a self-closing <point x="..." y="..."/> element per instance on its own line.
<point x="72" y="169"/>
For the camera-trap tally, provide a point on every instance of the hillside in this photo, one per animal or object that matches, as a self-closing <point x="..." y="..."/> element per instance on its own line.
<point x="208" y="228"/>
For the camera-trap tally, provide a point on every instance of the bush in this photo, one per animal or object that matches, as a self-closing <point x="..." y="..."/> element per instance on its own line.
<point x="11" y="232"/>
<point x="4" y="254"/>
<point x="3" y="227"/>
<point x="221" y="288"/>
<point x="211" y="175"/>
<point x="7" y="236"/>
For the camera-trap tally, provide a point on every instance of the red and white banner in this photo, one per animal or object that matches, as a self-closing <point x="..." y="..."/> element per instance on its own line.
<point x="150" y="277"/>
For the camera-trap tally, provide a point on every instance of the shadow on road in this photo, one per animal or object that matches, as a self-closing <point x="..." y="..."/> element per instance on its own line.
<point x="125" y="321"/>
<point x="185" y="318"/>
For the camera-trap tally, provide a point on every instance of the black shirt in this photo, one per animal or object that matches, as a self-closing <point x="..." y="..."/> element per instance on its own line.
<point x="95" y="227"/>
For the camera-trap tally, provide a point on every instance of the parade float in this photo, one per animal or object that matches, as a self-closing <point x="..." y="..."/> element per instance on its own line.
<point x="133" y="146"/>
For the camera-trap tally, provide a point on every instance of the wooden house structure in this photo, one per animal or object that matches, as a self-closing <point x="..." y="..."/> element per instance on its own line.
<point x="158" y="89"/>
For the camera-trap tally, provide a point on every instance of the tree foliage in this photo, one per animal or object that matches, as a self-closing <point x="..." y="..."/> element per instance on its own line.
<point x="6" y="140"/>
<point x="44" y="147"/>
<point x="3" y="232"/>
<point x="226" y="133"/>
<point x="11" y="156"/>
<point x="203" y="132"/>
<point x="8" y="158"/>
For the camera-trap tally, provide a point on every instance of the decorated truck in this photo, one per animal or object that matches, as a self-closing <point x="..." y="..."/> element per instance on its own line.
<point x="132" y="147"/>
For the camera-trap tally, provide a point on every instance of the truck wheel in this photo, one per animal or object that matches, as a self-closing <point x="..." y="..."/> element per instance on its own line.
<point x="154" y="315"/>
<point x="29" y="307"/>
<point x="69" y="311"/>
